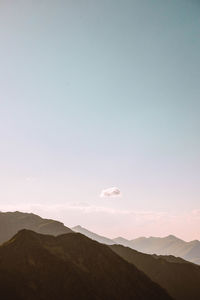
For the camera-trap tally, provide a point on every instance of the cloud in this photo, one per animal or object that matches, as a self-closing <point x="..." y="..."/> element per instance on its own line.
<point x="110" y="192"/>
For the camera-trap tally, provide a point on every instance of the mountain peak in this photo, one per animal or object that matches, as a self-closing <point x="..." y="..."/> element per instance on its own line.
<point x="120" y="238"/>
<point x="172" y="237"/>
<point x="25" y="234"/>
<point x="77" y="227"/>
<point x="79" y="263"/>
<point x="92" y="235"/>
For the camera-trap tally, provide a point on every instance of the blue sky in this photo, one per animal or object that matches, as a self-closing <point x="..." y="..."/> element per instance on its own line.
<point x="97" y="94"/>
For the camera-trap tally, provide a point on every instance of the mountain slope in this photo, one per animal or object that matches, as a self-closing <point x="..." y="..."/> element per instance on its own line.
<point x="169" y="245"/>
<point x="122" y="241"/>
<point x="93" y="236"/>
<point x="12" y="222"/>
<point x="70" y="266"/>
<point x="180" y="278"/>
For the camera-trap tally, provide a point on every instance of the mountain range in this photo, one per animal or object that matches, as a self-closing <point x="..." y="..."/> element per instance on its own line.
<point x="170" y="245"/>
<point x="69" y="266"/>
<point x="49" y="261"/>
<point x="12" y="222"/>
<point x="179" y="277"/>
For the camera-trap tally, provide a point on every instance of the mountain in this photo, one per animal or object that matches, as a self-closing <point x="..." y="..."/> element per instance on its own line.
<point x="122" y="241"/>
<point x="180" y="278"/>
<point x="12" y="222"/>
<point x="93" y="236"/>
<point x="169" y="245"/>
<point x="70" y="266"/>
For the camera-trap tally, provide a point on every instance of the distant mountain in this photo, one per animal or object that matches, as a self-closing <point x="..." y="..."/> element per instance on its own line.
<point x="93" y="236"/>
<point x="170" y="245"/>
<point x="70" y="266"/>
<point x="12" y="222"/>
<point x="180" y="278"/>
<point x="122" y="241"/>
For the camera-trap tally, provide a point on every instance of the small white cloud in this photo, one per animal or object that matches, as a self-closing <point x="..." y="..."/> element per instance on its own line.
<point x="110" y="192"/>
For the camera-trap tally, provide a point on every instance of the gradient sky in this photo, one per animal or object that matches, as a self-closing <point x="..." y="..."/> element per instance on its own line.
<point x="95" y="94"/>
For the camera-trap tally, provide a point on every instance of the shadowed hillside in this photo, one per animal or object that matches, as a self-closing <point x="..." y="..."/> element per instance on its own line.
<point x="70" y="266"/>
<point x="12" y="222"/>
<point x="180" y="278"/>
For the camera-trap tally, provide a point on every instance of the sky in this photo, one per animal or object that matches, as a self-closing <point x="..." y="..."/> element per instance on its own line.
<point x="99" y="94"/>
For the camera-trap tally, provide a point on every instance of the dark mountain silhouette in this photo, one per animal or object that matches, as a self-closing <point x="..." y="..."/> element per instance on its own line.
<point x="170" y="245"/>
<point x="12" y="222"/>
<point x="180" y="278"/>
<point x="93" y="236"/>
<point x="70" y="266"/>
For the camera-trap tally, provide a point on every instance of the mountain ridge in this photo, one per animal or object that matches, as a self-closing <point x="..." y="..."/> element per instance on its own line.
<point x="12" y="222"/>
<point x="169" y="245"/>
<point x="179" y="277"/>
<point x="38" y="266"/>
<point x="92" y="235"/>
<point x="81" y="254"/>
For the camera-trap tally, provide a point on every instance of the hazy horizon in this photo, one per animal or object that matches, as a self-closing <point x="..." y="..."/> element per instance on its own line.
<point x="102" y="94"/>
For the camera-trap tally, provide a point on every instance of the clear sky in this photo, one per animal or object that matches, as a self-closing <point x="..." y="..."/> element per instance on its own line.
<point x="95" y="94"/>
